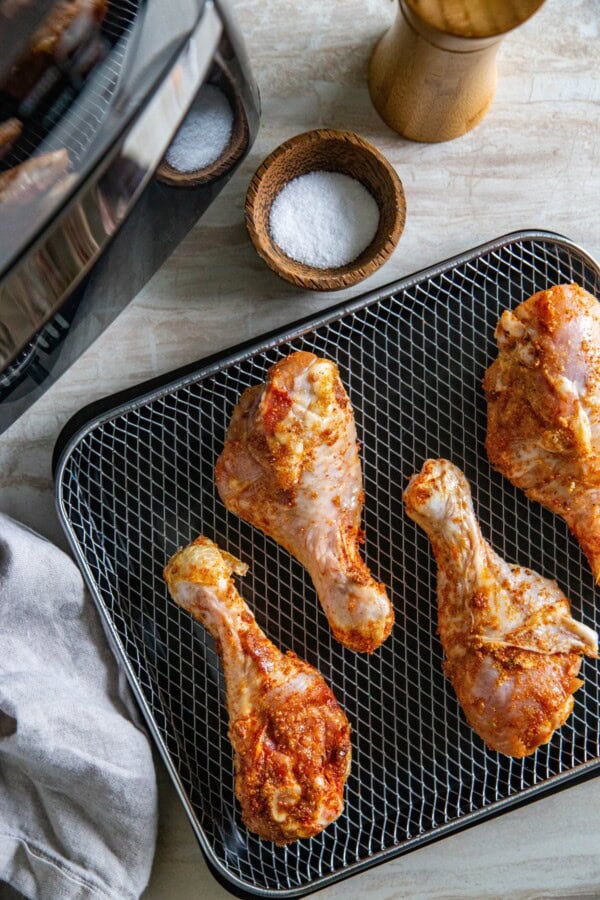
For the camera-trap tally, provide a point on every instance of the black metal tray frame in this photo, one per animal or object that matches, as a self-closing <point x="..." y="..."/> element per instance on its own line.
<point x="134" y="481"/>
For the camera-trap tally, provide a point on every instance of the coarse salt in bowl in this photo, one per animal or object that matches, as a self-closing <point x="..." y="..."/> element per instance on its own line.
<point x="325" y="210"/>
<point x="324" y="219"/>
<point x="205" y="132"/>
<point x="212" y="137"/>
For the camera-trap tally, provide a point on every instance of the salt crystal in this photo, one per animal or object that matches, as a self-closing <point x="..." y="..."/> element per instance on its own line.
<point x="205" y="131"/>
<point x="324" y="219"/>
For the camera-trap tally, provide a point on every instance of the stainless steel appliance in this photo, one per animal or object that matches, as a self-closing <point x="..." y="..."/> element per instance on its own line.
<point x="88" y="208"/>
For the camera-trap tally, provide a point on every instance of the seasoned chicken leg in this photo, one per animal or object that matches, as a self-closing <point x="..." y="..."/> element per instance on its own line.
<point x="291" y="740"/>
<point x="543" y="395"/>
<point x="290" y="467"/>
<point x="513" y="652"/>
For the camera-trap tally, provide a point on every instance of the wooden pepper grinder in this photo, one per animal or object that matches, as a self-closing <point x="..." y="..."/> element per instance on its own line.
<point x="433" y="76"/>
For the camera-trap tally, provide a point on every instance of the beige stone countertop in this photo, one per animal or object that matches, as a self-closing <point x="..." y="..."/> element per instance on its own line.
<point x="534" y="162"/>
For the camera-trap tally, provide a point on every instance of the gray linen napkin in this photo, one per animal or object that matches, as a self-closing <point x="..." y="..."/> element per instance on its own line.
<point x="78" y="804"/>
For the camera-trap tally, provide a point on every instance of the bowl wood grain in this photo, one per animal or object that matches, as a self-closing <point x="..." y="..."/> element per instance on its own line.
<point x="331" y="151"/>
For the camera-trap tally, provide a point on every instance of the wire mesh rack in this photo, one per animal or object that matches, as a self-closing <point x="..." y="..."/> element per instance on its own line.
<point x="136" y="482"/>
<point x="66" y="116"/>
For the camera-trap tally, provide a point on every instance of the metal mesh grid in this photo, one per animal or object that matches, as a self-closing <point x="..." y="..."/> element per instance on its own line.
<point x="62" y="119"/>
<point x="139" y="484"/>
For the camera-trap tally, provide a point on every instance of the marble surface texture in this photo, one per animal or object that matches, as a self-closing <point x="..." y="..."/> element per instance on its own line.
<point x="533" y="162"/>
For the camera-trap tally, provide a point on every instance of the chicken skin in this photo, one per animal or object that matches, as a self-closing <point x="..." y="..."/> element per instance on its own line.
<point x="290" y="467"/>
<point x="513" y="651"/>
<point x="543" y="394"/>
<point x="32" y="179"/>
<point x="291" y="739"/>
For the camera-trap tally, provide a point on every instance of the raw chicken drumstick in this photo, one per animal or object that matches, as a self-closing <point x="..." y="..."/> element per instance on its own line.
<point x="290" y="467"/>
<point x="513" y="652"/>
<point x="543" y="395"/>
<point x="291" y="739"/>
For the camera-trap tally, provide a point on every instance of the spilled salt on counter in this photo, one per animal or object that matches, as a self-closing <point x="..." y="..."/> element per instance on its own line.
<point x="205" y="132"/>
<point x="324" y="219"/>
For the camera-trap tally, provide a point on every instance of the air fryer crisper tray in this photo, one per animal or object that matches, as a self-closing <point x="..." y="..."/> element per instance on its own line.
<point x="136" y="482"/>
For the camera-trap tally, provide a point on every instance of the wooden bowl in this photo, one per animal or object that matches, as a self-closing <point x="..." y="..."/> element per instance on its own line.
<point x="330" y="151"/>
<point x="235" y="148"/>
